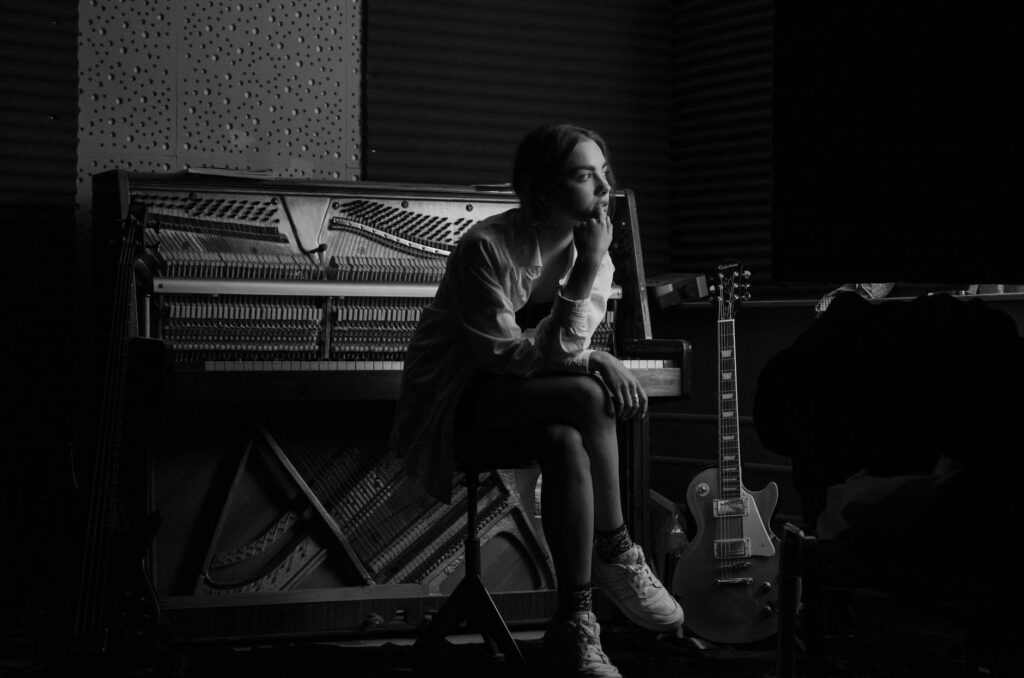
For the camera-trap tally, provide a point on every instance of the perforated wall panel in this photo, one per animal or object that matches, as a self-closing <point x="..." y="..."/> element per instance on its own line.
<point x="244" y="85"/>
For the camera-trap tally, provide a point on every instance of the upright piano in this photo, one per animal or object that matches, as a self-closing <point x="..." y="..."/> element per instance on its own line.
<point x="266" y="325"/>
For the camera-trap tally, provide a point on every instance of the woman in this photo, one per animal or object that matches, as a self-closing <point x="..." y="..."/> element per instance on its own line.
<point x="479" y="368"/>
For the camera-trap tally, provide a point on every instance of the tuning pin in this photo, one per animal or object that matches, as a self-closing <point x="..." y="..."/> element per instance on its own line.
<point x="745" y="275"/>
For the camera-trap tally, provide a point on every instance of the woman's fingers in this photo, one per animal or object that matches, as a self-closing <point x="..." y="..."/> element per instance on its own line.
<point x="637" y="402"/>
<point x="627" y="396"/>
<point x="633" y="400"/>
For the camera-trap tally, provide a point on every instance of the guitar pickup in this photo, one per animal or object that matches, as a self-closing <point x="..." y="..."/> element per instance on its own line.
<point x="732" y="548"/>
<point x="727" y="508"/>
<point x="734" y="581"/>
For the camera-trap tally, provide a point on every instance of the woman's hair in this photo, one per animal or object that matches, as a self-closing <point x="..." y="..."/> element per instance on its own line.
<point x="540" y="162"/>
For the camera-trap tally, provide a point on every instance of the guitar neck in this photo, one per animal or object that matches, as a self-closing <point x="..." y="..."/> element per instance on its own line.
<point x="729" y="467"/>
<point x="89" y="622"/>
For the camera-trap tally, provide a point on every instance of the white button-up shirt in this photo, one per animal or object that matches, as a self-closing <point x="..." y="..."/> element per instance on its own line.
<point x="471" y="326"/>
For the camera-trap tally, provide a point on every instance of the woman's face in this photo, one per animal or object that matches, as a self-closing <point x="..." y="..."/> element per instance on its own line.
<point x="584" y="185"/>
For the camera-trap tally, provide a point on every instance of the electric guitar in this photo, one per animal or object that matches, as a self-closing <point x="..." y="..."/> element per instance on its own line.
<point x="726" y="578"/>
<point x="117" y="617"/>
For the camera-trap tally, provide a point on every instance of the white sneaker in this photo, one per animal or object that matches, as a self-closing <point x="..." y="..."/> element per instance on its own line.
<point x="574" y="645"/>
<point x="634" y="589"/>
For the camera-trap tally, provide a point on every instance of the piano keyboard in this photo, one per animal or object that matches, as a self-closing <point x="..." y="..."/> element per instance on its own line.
<point x="364" y="365"/>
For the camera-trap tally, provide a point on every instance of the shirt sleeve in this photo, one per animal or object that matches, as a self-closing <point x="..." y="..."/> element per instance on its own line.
<point x="560" y="341"/>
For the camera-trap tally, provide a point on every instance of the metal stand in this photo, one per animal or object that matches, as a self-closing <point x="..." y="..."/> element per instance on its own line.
<point x="470" y="603"/>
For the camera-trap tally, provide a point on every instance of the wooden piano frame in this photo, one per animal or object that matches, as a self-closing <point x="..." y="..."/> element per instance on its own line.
<point x="164" y="391"/>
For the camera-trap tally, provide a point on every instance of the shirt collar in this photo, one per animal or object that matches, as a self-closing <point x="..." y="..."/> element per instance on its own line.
<point x="529" y="249"/>
<point x="525" y="245"/>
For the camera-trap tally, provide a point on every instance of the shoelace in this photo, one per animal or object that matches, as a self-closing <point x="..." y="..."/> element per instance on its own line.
<point x="592" y="643"/>
<point x="641" y="578"/>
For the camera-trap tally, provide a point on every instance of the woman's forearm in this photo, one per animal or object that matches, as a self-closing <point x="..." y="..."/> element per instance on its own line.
<point x="581" y="280"/>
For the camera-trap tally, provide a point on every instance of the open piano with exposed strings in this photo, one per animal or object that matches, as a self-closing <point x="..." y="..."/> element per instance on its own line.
<point x="269" y="319"/>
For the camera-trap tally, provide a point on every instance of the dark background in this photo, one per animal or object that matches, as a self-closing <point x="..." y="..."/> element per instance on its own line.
<point x="891" y="150"/>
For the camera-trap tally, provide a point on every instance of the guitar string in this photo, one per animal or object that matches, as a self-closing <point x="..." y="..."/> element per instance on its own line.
<point x="113" y="430"/>
<point x="105" y="510"/>
<point x="94" y="577"/>
<point x="85" y="609"/>
<point x="724" y="490"/>
<point x="729" y="487"/>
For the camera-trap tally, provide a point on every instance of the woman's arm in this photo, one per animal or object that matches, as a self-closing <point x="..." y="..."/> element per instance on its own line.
<point x="560" y="341"/>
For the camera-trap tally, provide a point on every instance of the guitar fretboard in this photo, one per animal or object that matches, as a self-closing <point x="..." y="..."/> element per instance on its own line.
<point x="730" y="478"/>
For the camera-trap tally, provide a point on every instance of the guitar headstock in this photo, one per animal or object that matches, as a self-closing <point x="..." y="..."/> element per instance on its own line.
<point x="730" y="289"/>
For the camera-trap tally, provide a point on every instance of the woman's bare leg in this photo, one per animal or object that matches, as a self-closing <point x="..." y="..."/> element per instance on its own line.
<point x="567" y="496"/>
<point x="567" y="424"/>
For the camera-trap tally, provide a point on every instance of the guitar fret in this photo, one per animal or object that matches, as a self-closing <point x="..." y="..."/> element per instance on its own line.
<point x="728" y="453"/>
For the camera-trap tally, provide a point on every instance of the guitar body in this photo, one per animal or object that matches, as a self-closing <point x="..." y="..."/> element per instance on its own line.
<point x="727" y="578"/>
<point x="728" y="613"/>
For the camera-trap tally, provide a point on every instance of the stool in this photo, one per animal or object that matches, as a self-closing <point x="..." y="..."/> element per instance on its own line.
<point x="470" y="602"/>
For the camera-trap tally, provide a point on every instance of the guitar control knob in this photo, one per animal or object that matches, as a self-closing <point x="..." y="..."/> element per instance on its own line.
<point x="766" y="586"/>
<point x="703" y="489"/>
<point x="769" y="609"/>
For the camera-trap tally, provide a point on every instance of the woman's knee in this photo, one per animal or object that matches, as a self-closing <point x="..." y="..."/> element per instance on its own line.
<point x="590" y="397"/>
<point x="563" y="451"/>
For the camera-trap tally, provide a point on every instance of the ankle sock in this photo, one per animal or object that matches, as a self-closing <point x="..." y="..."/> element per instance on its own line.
<point x="612" y="543"/>
<point x="574" y="599"/>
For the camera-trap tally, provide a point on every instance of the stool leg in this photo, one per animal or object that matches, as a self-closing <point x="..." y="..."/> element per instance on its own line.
<point x="789" y="601"/>
<point x="472" y="538"/>
<point x="489" y="623"/>
<point x="814" y="607"/>
<point x="470" y="601"/>
<point x="481" y="608"/>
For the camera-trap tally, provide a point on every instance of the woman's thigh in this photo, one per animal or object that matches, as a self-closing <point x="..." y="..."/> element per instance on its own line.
<point x="504" y="402"/>
<point x="518" y="419"/>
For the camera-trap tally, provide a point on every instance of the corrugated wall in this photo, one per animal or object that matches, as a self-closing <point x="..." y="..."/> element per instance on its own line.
<point x="38" y="120"/>
<point x="452" y="86"/>
<point x="38" y="68"/>
<point x="721" y="135"/>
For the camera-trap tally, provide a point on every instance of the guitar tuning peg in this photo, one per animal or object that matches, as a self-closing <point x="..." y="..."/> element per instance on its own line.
<point x="746" y="274"/>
